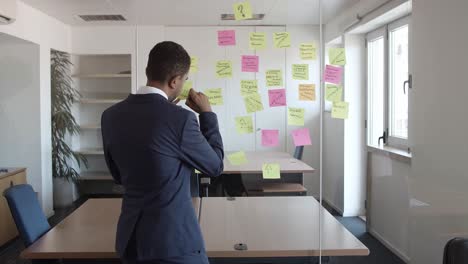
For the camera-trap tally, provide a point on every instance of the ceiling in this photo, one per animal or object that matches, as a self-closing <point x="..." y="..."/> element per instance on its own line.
<point x="190" y="12"/>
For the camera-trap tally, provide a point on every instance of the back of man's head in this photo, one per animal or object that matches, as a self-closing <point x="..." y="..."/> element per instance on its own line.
<point x="167" y="60"/>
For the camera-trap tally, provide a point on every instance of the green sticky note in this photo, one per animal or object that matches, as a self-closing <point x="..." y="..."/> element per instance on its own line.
<point x="271" y="171"/>
<point x="295" y="116"/>
<point x="253" y="103"/>
<point x="274" y="78"/>
<point x="337" y="56"/>
<point x="340" y="110"/>
<point x="193" y="64"/>
<point x="308" y="51"/>
<point x="244" y="125"/>
<point x="224" y="69"/>
<point x="242" y="10"/>
<point x="257" y="41"/>
<point x="249" y="87"/>
<point x="185" y="90"/>
<point x="300" y="71"/>
<point x="215" y="96"/>
<point x="237" y="158"/>
<point x="333" y="93"/>
<point x="282" y="39"/>
<point x="197" y="171"/>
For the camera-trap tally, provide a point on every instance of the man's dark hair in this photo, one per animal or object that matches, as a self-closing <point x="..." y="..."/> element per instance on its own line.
<point x="167" y="60"/>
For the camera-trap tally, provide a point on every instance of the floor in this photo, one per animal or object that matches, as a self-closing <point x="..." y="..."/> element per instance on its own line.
<point x="9" y="254"/>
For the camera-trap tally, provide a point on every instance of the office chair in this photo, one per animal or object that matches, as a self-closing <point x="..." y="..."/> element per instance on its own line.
<point x="456" y="251"/>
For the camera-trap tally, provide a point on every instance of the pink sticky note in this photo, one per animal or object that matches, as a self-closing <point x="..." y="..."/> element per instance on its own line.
<point x="270" y="138"/>
<point x="301" y="137"/>
<point x="333" y="74"/>
<point x="249" y="63"/>
<point x="277" y="97"/>
<point x="226" y="37"/>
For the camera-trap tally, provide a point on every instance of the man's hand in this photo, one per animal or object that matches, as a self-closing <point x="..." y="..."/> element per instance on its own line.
<point x="198" y="102"/>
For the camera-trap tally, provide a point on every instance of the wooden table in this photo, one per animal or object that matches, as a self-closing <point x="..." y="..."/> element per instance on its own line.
<point x="273" y="227"/>
<point x="88" y="233"/>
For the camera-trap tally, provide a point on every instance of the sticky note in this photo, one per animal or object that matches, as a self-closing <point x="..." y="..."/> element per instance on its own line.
<point x="277" y="97"/>
<point x="340" y="110"/>
<point x="270" y="138"/>
<point x="333" y="92"/>
<point x="271" y="171"/>
<point x="295" y="116"/>
<point x="242" y="10"/>
<point x="257" y="41"/>
<point x="224" y="69"/>
<point x="193" y="64"/>
<point x="308" y="51"/>
<point x="197" y="171"/>
<point x="301" y="137"/>
<point x="215" y="96"/>
<point x="282" y="39"/>
<point x="244" y="124"/>
<point x="300" y="71"/>
<point x="306" y="92"/>
<point x="332" y="74"/>
<point x="249" y="87"/>
<point x="249" y="63"/>
<point x="226" y="37"/>
<point x="274" y="77"/>
<point x="253" y="103"/>
<point x="185" y="90"/>
<point x="337" y="56"/>
<point x="237" y="158"/>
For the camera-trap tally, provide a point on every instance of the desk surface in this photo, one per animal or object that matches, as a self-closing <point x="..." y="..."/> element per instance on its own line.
<point x="273" y="227"/>
<point x="89" y="232"/>
<point x="288" y="164"/>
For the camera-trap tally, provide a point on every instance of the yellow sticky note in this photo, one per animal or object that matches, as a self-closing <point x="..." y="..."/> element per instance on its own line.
<point x="185" y="90"/>
<point x="333" y="93"/>
<point x="340" y="110"/>
<point x="271" y="171"/>
<point x="257" y="40"/>
<point x="242" y="10"/>
<point x="224" y="69"/>
<point x="237" y="158"/>
<point x="337" y="56"/>
<point x="197" y="171"/>
<point x="193" y="64"/>
<point x="244" y="124"/>
<point x="215" y="96"/>
<point x="274" y="78"/>
<point x="282" y="39"/>
<point x="249" y="87"/>
<point x="300" y="71"/>
<point x="253" y="103"/>
<point x="306" y="92"/>
<point x="308" y="51"/>
<point x="295" y="116"/>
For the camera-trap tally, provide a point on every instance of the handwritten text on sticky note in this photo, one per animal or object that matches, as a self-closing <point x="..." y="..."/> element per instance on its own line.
<point x="271" y="171"/>
<point x="253" y="103"/>
<point x="226" y="37"/>
<point x="333" y="92"/>
<point x="301" y="137"/>
<point x="224" y="69"/>
<point x="333" y="74"/>
<point x="337" y="56"/>
<point x="270" y="138"/>
<point x="237" y="158"/>
<point x="242" y="10"/>
<point x="277" y="97"/>
<point x="295" y="116"/>
<point x="300" y="71"/>
<point x="306" y="92"/>
<point x="249" y="63"/>
<point x="215" y="96"/>
<point x="282" y="39"/>
<point x="274" y="78"/>
<point x="340" y="110"/>
<point x="308" y="51"/>
<point x="244" y="124"/>
<point x="257" y="40"/>
<point x="248" y="87"/>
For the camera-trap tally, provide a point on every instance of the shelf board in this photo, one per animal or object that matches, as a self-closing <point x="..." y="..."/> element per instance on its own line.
<point x="90" y="127"/>
<point x="95" y="175"/>
<point x="102" y="76"/>
<point x="90" y="151"/>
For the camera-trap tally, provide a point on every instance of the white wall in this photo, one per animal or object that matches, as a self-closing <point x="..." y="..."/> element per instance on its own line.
<point x="36" y="27"/>
<point x="439" y="167"/>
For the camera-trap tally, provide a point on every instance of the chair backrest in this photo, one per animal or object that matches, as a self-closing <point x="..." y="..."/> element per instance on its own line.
<point x="298" y="152"/>
<point x="27" y="213"/>
<point x="456" y="251"/>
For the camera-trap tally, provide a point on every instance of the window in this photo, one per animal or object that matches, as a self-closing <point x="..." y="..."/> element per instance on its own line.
<point x="387" y="84"/>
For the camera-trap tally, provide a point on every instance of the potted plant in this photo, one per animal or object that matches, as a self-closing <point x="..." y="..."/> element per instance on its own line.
<point x="65" y="161"/>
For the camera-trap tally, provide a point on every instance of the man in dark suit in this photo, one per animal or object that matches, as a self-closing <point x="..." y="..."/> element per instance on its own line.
<point x="151" y="147"/>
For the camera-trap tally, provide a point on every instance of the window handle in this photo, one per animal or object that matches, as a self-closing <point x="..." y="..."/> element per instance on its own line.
<point x="383" y="138"/>
<point x="408" y="82"/>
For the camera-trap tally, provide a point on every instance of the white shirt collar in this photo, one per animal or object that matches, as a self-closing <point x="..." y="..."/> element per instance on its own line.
<point x="152" y="90"/>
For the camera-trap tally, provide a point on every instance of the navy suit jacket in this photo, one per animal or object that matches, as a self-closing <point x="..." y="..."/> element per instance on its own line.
<point x="151" y="147"/>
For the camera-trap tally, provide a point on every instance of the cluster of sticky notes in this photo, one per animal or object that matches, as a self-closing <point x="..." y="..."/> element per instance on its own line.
<point x="193" y="64"/>
<point x="242" y="10"/>
<point x="277" y="97"/>
<point x="249" y="63"/>
<point x="226" y="37"/>
<point x="257" y="40"/>
<point x="282" y="39"/>
<point x="296" y="116"/>
<point x="300" y="71"/>
<point x="333" y="75"/>
<point x="308" y="51"/>
<point x="306" y="92"/>
<point x="274" y="78"/>
<point x="224" y="69"/>
<point x="185" y="90"/>
<point x="270" y="137"/>
<point x="244" y="124"/>
<point x="271" y="171"/>
<point x="333" y="92"/>
<point x="253" y="103"/>
<point x="215" y="96"/>
<point x="237" y="158"/>
<point x="301" y="137"/>
<point x="249" y="87"/>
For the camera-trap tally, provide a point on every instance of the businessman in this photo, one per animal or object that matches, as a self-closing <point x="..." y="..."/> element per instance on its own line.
<point x="151" y="147"/>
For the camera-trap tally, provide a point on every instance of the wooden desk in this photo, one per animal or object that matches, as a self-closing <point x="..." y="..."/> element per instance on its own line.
<point x="88" y="233"/>
<point x="273" y="227"/>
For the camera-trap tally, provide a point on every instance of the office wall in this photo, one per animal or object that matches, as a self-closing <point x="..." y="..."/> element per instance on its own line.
<point x="439" y="167"/>
<point x="48" y="33"/>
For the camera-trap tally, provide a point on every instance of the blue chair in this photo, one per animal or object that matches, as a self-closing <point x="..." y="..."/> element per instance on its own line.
<point x="27" y="213"/>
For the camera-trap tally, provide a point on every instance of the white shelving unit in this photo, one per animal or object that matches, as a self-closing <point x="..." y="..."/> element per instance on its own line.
<point x="102" y="80"/>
